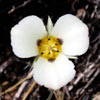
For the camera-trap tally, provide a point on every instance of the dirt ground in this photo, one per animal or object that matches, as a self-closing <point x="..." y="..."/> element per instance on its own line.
<point x="86" y="84"/>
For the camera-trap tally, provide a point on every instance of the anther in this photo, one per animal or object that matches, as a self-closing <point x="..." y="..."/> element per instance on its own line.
<point x="41" y="53"/>
<point x="49" y="39"/>
<point x="56" y="44"/>
<point x="49" y="53"/>
<point x="57" y="50"/>
<point x="60" y="41"/>
<point x="38" y="42"/>
<point x="51" y="60"/>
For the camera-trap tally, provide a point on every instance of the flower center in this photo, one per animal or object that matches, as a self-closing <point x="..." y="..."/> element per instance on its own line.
<point x="49" y="47"/>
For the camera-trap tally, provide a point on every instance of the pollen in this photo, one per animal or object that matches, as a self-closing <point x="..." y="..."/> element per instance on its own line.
<point x="49" y="47"/>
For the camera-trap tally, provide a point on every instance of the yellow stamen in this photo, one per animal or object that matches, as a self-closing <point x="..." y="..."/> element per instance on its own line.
<point x="49" y="47"/>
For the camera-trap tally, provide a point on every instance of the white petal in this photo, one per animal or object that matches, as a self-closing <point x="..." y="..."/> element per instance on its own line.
<point x="25" y="34"/>
<point x="74" y="34"/>
<point x="53" y="75"/>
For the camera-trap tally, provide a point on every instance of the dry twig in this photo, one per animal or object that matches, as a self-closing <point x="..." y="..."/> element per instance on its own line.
<point x="14" y="87"/>
<point x="29" y="91"/>
<point x="17" y="95"/>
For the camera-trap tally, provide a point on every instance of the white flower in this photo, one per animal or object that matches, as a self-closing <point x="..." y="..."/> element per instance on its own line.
<point x="67" y="39"/>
